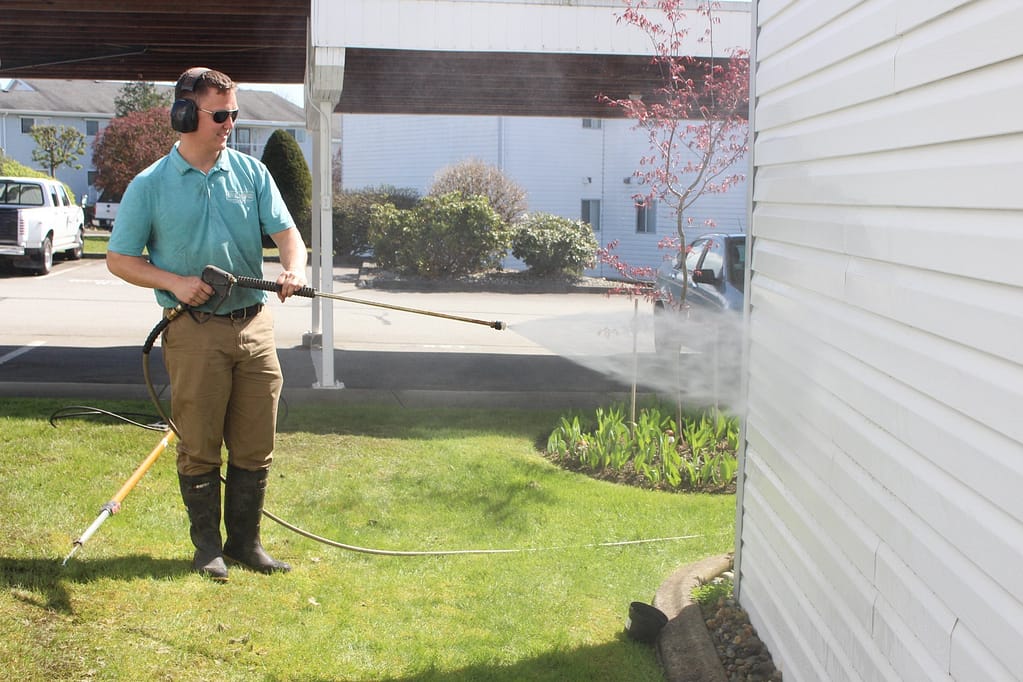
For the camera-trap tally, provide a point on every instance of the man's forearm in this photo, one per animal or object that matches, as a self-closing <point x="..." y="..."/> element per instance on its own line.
<point x="292" y="250"/>
<point x="139" y="271"/>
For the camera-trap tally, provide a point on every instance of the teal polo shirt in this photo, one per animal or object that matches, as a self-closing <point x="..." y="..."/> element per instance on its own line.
<point x="187" y="219"/>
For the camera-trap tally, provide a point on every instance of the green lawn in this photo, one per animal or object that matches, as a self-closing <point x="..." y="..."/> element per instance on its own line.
<point x="96" y="244"/>
<point x="127" y="606"/>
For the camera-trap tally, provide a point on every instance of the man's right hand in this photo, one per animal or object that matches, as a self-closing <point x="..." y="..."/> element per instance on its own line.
<point x="192" y="291"/>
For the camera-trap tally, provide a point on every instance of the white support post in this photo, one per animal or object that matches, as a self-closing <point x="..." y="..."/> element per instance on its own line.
<point x="324" y="76"/>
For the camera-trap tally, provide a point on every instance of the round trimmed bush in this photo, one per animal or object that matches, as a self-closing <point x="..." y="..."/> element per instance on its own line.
<point x="552" y="245"/>
<point x="443" y="236"/>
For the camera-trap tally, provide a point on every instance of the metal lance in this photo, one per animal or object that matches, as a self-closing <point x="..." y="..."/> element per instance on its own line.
<point x="221" y="281"/>
<point x="114" y="505"/>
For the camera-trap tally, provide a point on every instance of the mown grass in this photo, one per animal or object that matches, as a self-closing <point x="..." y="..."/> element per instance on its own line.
<point x="127" y="606"/>
<point x="96" y="244"/>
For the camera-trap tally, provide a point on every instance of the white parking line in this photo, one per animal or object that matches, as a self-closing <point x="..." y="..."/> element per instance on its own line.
<point x="21" y="351"/>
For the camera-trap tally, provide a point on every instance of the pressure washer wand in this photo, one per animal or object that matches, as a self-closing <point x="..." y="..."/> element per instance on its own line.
<point x="114" y="505"/>
<point x="215" y="277"/>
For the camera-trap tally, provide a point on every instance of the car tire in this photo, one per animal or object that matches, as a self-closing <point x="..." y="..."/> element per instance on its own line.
<point x="76" y="252"/>
<point x="665" y="343"/>
<point x="44" y="262"/>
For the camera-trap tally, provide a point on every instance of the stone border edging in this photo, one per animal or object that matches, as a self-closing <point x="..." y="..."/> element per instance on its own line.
<point x="684" y="648"/>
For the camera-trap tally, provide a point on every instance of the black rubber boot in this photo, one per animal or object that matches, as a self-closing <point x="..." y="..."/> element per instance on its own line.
<point x="243" y="511"/>
<point x="201" y="495"/>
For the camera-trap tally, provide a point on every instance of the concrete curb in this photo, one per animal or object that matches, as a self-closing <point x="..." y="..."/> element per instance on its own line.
<point x="684" y="647"/>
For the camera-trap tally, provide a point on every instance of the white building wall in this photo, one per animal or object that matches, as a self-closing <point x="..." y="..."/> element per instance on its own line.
<point x="557" y="161"/>
<point x="407" y="151"/>
<point x="881" y="523"/>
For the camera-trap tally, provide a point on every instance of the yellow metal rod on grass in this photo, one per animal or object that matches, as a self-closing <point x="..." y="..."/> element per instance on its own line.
<point x="114" y="505"/>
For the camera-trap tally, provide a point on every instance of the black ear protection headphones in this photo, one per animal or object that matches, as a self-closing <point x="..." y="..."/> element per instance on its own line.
<point x="184" y="114"/>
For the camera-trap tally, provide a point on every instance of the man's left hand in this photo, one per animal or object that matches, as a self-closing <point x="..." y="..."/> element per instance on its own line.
<point x="289" y="282"/>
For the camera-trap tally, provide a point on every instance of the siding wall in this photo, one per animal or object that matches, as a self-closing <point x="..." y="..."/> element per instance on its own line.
<point x="881" y="515"/>
<point x="556" y="160"/>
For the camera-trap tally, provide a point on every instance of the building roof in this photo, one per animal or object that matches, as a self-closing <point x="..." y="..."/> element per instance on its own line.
<point x="96" y="99"/>
<point x="265" y="41"/>
<point x="155" y="40"/>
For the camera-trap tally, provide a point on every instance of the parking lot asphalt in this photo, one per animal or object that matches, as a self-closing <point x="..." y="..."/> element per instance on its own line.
<point x="78" y="333"/>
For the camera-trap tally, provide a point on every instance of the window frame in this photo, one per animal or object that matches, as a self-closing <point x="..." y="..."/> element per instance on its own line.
<point x="646" y="216"/>
<point x="586" y="213"/>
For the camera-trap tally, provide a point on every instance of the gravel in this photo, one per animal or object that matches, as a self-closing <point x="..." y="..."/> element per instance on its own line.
<point x="743" y="654"/>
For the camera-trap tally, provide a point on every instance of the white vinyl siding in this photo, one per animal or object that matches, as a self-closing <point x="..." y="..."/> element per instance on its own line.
<point x="881" y="517"/>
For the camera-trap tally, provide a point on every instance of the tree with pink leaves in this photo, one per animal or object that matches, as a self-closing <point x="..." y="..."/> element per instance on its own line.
<point x="128" y="145"/>
<point x="696" y="119"/>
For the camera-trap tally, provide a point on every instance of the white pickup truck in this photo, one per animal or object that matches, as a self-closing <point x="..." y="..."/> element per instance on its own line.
<point x="105" y="213"/>
<point x="38" y="219"/>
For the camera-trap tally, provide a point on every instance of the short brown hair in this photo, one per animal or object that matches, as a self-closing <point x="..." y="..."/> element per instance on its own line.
<point x="199" y="80"/>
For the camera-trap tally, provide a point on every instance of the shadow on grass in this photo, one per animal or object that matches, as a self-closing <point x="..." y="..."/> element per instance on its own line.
<point x="41" y="582"/>
<point x="601" y="662"/>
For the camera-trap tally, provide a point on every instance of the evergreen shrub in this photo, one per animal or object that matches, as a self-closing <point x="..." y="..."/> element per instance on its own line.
<point x="552" y="245"/>
<point x="284" y="159"/>
<point x="443" y="236"/>
<point x="352" y="211"/>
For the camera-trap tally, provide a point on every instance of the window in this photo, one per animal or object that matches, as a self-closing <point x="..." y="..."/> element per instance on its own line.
<point x="590" y="213"/>
<point x="646" y="217"/>
<point x="92" y="178"/>
<point x="592" y="123"/>
<point x="91" y="128"/>
<point x="27" y="124"/>
<point x="241" y="139"/>
<point x="737" y="263"/>
<point x="715" y="258"/>
<point x="695" y="253"/>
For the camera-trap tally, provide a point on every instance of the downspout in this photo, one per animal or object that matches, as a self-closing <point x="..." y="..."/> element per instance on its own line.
<point x="500" y="143"/>
<point x="603" y="192"/>
<point x="740" y="480"/>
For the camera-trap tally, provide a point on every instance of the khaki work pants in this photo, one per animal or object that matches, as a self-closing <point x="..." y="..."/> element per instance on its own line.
<point x="225" y="384"/>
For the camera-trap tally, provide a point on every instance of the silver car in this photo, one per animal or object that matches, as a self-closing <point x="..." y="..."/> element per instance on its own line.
<point x="715" y="265"/>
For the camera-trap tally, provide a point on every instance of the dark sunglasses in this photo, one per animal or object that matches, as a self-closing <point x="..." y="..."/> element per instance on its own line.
<point x="220" y="115"/>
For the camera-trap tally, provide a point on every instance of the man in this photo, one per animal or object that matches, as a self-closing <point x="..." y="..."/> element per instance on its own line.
<point x="205" y="204"/>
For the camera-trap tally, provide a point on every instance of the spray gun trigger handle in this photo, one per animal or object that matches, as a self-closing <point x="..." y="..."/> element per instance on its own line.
<point x="220" y="280"/>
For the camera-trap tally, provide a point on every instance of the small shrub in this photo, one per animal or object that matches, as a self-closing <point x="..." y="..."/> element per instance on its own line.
<point x="352" y="213"/>
<point x="709" y="594"/>
<point x="443" y="236"/>
<point x="474" y="177"/>
<point x="552" y="245"/>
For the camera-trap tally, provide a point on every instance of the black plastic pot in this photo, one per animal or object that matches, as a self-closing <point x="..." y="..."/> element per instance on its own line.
<point x="644" y="622"/>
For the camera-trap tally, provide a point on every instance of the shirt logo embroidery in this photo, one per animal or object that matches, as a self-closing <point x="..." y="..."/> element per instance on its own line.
<point x="240" y="197"/>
